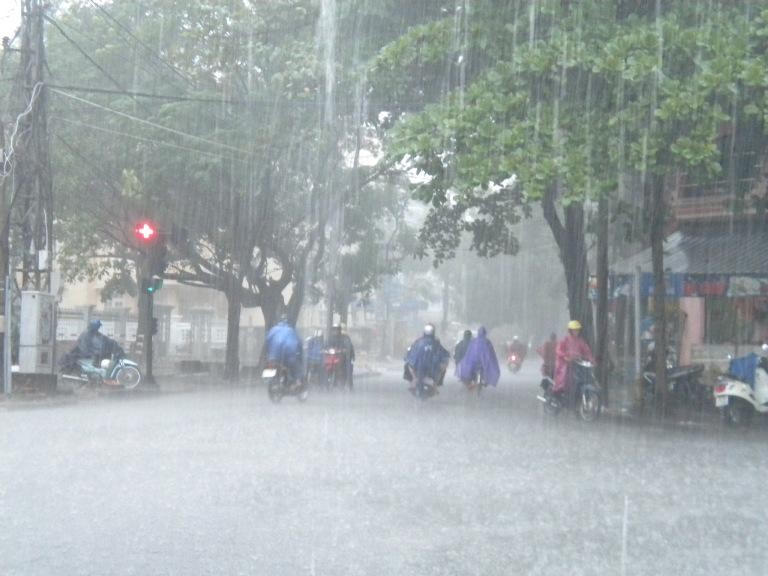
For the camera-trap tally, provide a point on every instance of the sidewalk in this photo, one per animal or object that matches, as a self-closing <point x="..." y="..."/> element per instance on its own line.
<point x="166" y="383"/>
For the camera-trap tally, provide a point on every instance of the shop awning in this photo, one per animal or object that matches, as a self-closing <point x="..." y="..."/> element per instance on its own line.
<point x="743" y="252"/>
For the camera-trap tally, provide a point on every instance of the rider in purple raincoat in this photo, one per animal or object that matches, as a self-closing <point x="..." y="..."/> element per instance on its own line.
<point x="480" y="356"/>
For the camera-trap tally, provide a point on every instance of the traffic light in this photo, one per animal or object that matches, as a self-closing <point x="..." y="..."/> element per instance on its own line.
<point x="146" y="232"/>
<point x="151" y="285"/>
<point x="151" y="243"/>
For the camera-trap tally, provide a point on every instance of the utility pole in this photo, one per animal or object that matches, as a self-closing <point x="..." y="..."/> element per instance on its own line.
<point x="32" y="183"/>
<point x="27" y="199"/>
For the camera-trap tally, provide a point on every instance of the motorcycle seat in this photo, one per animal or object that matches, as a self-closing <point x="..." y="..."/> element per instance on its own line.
<point x="685" y="371"/>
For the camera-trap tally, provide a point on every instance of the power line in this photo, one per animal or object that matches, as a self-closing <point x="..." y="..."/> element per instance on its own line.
<point x="132" y="93"/>
<point x="144" y="139"/>
<point x="142" y="44"/>
<point x="83" y="52"/>
<point x="6" y="169"/>
<point x="152" y="124"/>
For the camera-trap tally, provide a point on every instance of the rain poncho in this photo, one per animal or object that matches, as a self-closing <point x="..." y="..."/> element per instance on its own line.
<point x="315" y="350"/>
<point x="571" y="347"/>
<point x="480" y="356"/>
<point x="91" y="345"/>
<point x="427" y="357"/>
<point x="460" y="350"/>
<point x="283" y="344"/>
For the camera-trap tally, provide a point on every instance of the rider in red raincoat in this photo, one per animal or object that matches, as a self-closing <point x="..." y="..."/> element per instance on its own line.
<point x="572" y="347"/>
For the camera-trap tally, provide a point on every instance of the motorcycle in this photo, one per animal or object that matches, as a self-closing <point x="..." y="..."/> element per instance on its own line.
<point x="476" y="384"/>
<point x="335" y="366"/>
<point x="116" y="372"/>
<point x="684" y="382"/>
<point x="514" y="362"/>
<point x="744" y="390"/>
<point x="583" y="395"/>
<point x="315" y="375"/>
<point x="280" y="384"/>
<point x="424" y="387"/>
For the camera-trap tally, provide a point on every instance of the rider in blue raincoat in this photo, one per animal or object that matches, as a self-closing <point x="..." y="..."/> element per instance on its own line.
<point x="480" y="357"/>
<point x="426" y="358"/>
<point x="284" y="346"/>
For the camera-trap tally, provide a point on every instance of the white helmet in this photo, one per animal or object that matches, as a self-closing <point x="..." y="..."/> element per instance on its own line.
<point x="429" y="330"/>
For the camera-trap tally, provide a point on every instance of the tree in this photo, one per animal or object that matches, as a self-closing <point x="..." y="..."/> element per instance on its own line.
<point x="568" y="101"/>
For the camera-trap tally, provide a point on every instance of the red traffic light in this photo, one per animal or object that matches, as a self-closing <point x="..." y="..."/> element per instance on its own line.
<point x="145" y="231"/>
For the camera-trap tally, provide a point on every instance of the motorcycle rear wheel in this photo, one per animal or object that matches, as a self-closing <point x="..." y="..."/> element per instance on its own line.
<point x="738" y="413"/>
<point x="275" y="391"/>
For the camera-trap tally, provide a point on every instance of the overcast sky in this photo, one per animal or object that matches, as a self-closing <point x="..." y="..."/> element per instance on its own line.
<point x="10" y="11"/>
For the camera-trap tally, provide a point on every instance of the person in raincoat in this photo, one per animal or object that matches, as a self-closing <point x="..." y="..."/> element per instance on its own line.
<point x="548" y="353"/>
<point x="283" y="345"/>
<point x="426" y="358"/>
<point x="572" y="347"/>
<point x="92" y="347"/>
<point x="340" y="340"/>
<point x="480" y="357"/>
<point x="314" y="354"/>
<point x="461" y="349"/>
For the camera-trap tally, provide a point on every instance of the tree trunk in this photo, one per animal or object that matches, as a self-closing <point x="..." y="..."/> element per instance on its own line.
<point x="601" y="340"/>
<point x="232" y="358"/>
<point x="659" y="290"/>
<point x="573" y="255"/>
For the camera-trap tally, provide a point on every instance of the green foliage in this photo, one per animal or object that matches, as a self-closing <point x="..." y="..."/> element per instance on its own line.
<point x="588" y="95"/>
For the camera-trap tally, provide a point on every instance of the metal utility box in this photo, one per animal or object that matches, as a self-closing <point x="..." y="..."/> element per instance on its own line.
<point x="37" y="333"/>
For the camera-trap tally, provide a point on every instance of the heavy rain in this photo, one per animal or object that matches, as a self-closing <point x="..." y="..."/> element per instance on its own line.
<point x="383" y="287"/>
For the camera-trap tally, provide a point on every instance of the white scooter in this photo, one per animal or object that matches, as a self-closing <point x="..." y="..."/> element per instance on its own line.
<point x="738" y="399"/>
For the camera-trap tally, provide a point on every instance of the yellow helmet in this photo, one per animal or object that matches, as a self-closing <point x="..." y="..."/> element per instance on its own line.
<point x="574" y="325"/>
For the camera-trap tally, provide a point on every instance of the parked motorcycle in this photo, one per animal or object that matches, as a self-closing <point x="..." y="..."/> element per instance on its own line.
<point x="683" y="382"/>
<point x="116" y="372"/>
<point x="583" y="394"/>
<point x="744" y="391"/>
<point x="280" y="384"/>
<point x="335" y="366"/>
<point x="514" y="362"/>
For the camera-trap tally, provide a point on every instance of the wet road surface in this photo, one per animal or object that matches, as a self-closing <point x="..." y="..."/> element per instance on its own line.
<point x="223" y="482"/>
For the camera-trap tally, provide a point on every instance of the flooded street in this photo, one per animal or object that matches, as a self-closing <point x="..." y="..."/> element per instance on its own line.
<point x="223" y="482"/>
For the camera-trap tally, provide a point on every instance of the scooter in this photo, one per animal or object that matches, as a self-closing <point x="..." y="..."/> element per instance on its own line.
<point x="335" y="366"/>
<point x="514" y="362"/>
<point x="280" y="384"/>
<point x="424" y="387"/>
<point x="744" y="391"/>
<point x="584" y="394"/>
<point x="115" y="372"/>
<point x="684" y="382"/>
<point x="476" y="384"/>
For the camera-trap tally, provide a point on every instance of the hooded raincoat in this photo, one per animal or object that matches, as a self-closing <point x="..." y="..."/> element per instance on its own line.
<point x="427" y="357"/>
<point x="569" y="348"/>
<point x="480" y="356"/>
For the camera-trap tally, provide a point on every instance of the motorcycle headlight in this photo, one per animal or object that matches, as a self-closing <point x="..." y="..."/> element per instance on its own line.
<point x="106" y="362"/>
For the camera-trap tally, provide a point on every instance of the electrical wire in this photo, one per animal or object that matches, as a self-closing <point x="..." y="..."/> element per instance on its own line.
<point x="7" y="164"/>
<point x="149" y="123"/>
<point x="94" y="90"/>
<point x="83" y="52"/>
<point x="127" y="30"/>
<point x="144" y="139"/>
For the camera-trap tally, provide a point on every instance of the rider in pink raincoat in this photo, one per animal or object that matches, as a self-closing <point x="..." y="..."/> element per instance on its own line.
<point x="572" y="347"/>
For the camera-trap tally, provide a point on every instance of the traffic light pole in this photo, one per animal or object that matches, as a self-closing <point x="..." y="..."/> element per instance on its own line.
<point x="146" y="331"/>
